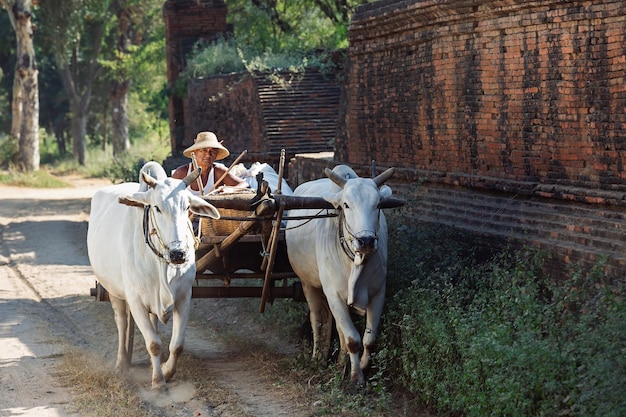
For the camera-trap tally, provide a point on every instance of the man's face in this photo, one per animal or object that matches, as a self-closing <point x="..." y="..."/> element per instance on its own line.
<point x="206" y="156"/>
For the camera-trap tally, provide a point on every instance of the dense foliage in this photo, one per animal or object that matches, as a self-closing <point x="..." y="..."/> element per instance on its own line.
<point x="499" y="337"/>
<point x="223" y="55"/>
<point x="473" y="334"/>
<point x="80" y="39"/>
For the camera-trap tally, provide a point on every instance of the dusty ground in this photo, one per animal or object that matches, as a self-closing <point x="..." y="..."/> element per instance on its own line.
<point x="46" y="309"/>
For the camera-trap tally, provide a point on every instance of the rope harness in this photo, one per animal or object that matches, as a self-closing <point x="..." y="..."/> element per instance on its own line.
<point x="344" y="240"/>
<point x="150" y="228"/>
<point x="347" y="240"/>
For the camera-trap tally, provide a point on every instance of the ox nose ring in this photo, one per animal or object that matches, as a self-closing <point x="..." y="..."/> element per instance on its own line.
<point x="367" y="242"/>
<point x="177" y="256"/>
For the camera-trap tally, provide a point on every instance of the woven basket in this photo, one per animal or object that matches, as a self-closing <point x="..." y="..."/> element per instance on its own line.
<point x="223" y="227"/>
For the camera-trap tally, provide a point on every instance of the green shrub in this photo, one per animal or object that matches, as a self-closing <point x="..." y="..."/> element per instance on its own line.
<point x="8" y="152"/>
<point x="224" y="56"/>
<point x="218" y="57"/>
<point x="499" y="338"/>
<point x="470" y="335"/>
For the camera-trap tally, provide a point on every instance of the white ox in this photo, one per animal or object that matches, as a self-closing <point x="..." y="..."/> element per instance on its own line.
<point x="343" y="259"/>
<point x="141" y="249"/>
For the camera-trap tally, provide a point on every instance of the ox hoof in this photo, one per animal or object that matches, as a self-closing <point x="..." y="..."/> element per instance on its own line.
<point x="354" y="387"/>
<point x="159" y="388"/>
<point x="121" y="370"/>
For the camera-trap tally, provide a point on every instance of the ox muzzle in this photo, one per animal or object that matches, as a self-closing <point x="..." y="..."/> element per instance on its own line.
<point x="358" y="246"/>
<point x="176" y="255"/>
<point x="365" y="245"/>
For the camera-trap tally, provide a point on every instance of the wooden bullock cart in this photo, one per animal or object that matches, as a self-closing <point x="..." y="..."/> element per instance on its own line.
<point x="243" y="254"/>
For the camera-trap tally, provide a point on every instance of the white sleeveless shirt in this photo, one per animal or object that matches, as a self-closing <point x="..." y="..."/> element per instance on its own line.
<point x="209" y="183"/>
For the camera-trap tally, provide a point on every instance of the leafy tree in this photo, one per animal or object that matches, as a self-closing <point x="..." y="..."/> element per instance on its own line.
<point x="7" y="67"/>
<point x="101" y="49"/>
<point x="53" y="104"/>
<point x="283" y="25"/>
<point x="25" y="104"/>
<point x="135" y="22"/>
<point x="75" y="30"/>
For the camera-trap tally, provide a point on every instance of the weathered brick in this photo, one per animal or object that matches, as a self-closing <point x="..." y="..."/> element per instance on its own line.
<point x="510" y="75"/>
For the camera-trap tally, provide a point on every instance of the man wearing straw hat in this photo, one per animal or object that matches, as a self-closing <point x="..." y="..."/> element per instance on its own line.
<point x="204" y="152"/>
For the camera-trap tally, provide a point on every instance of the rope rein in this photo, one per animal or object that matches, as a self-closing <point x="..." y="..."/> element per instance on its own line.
<point x="303" y="223"/>
<point x="150" y="228"/>
<point x="345" y="241"/>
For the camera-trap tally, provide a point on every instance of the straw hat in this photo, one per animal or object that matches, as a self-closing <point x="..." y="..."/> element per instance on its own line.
<point x="207" y="140"/>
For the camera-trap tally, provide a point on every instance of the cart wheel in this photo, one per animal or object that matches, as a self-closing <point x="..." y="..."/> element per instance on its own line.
<point x="100" y="293"/>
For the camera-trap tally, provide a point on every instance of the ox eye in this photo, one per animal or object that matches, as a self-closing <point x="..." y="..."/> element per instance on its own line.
<point x="157" y="209"/>
<point x="346" y="206"/>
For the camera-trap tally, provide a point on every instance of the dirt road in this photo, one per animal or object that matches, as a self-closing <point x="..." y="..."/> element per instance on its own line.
<point x="46" y="310"/>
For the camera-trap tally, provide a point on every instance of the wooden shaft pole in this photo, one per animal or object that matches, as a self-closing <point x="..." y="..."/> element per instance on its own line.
<point x="272" y="256"/>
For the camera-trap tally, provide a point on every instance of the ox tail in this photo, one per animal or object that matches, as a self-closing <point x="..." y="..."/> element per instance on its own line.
<point x="357" y="291"/>
<point x="166" y="296"/>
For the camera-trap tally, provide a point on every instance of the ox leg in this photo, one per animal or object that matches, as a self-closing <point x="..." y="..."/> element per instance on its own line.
<point x="343" y="362"/>
<point x="374" y="312"/>
<point x="350" y="336"/>
<point x="319" y="316"/>
<point x="125" y="331"/>
<point x="154" y="319"/>
<point x="179" y="324"/>
<point x="153" y="344"/>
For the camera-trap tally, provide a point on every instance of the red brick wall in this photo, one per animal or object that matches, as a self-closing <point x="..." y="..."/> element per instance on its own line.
<point x="514" y="95"/>
<point x="253" y="111"/>
<point x="187" y="22"/>
<point x="229" y="106"/>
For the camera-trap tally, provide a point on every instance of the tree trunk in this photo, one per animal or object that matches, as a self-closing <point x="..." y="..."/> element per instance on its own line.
<point x="29" y="133"/>
<point x="127" y="35"/>
<point x="79" y="106"/>
<point x="79" y="134"/>
<point x="119" y="118"/>
<point x="25" y="106"/>
<point x="16" y="107"/>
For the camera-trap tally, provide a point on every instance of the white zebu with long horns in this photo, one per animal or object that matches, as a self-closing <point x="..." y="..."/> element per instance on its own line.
<point x="343" y="259"/>
<point x="141" y="248"/>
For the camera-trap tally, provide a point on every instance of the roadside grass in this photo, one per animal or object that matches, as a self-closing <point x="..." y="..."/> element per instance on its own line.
<point x="38" y="179"/>
<point x="99" y="391"/>
<point x="100" y="163"/>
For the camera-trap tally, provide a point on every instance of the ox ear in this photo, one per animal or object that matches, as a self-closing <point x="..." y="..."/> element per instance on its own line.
<point x="201" y="208"/>
<point x="385" y="191"/>
<point x="332" y="198"/>
<point x="135" y="200"/>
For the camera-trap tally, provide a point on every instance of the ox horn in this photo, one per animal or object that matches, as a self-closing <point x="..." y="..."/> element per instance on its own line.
<point x="334" y="177"/>
<point x="381" y="178"/>
<point x="192" y="176"/>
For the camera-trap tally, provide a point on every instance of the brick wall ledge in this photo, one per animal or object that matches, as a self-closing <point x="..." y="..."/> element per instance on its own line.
<point x="526" y="188"/>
